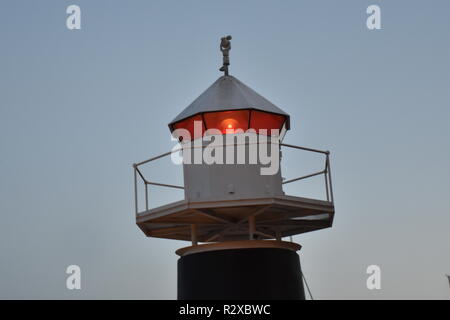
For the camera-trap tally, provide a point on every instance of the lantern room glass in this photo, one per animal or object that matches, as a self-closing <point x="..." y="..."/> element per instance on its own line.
<point x="229" y="121"/>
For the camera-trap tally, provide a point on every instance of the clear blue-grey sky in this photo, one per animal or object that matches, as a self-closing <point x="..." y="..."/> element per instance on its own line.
<point x="78" y="107"/>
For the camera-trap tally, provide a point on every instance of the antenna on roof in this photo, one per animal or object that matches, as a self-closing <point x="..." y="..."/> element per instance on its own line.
<point x="225" y="47"/>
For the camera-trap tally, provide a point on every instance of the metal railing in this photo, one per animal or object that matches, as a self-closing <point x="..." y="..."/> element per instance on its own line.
<point x="326" y="172"/>
<point x="146" y="182"/>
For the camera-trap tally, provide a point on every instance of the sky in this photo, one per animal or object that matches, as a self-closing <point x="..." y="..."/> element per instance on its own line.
<point x="79" y="107"/>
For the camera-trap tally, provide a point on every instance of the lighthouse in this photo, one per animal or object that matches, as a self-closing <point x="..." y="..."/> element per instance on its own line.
<point x="234" y="213"/>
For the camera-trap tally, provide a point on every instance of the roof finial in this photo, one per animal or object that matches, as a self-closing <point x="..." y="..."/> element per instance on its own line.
<point x="225" y="46"/>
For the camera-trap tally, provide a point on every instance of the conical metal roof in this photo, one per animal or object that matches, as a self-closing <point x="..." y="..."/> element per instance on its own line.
<point x="225" y="94"/>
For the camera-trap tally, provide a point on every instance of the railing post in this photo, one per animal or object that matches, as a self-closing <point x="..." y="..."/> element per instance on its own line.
<point x="326" y="180"/>
<point x="329" y="177"/>
<point x="146" y="195"/>
<point x="135" y="190"/>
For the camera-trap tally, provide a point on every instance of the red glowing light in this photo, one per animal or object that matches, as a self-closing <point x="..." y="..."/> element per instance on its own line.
<point x="228" y="125"/>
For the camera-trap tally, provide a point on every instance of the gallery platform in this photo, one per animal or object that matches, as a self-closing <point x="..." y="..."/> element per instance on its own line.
<point x="274" y="218"/>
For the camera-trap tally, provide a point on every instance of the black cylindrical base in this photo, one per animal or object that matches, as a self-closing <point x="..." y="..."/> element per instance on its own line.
<point x="248" y="273"/>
